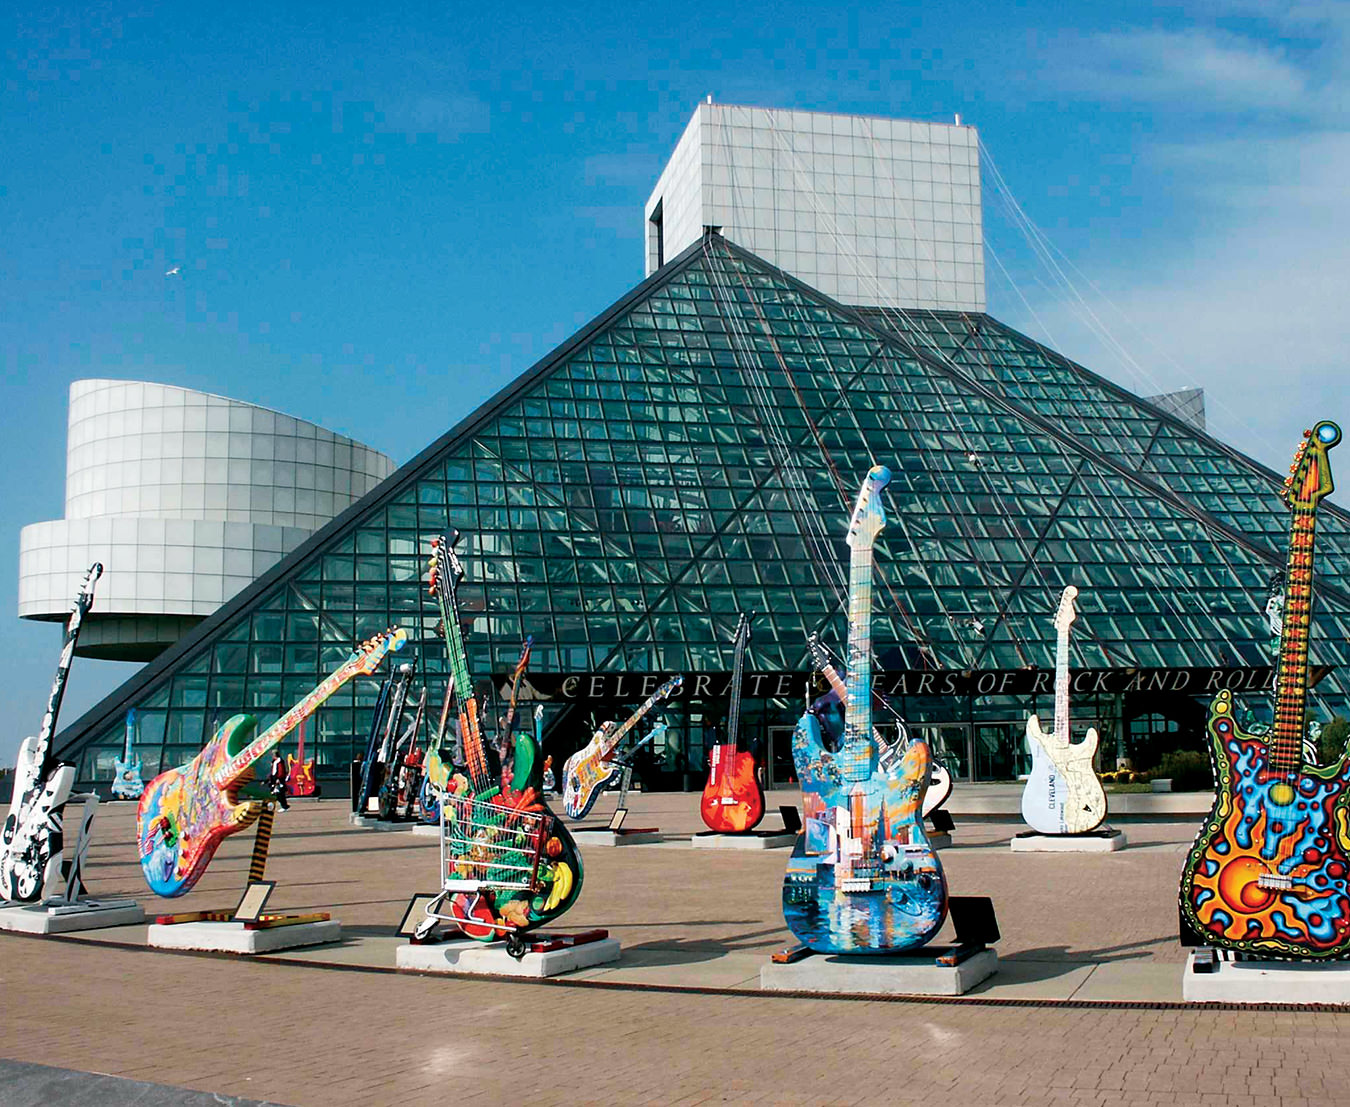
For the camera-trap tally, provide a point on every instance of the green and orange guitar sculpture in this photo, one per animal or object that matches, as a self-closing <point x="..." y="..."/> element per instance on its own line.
<point x="187" y="812"/>
<point x="1267" y="875"/>
<point x="508" y="864"/>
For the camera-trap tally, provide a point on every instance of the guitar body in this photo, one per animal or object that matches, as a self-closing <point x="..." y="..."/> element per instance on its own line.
<point x="732" y="801"/>
<point x="300" y="777"/>
<point x="184" y="816"/>
<point x="32" y="839"/>
<point x="939" y="789"/>
<point x="1063" y="794"/>
<point x="1267" y="824"/>
<point x="585" y="775"/>
<point x="862" y="877"/>
<point x="127" y="782"/>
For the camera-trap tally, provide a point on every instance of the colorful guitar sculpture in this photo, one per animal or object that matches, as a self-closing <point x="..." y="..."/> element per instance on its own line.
<point x="733" y="800"/>
<point x="1063" y="794"/>
<point x="863" y="877"/>
<point x="591" y="768"/>
<point x="32" y="842"/>
<point x="187" y="812"/>
<point x="939" y="788"/>
<point x="509" y="864"/>
<point x="299" y="772"/>
<point x="1268" y="872"/>
<point x="127" y="783"/>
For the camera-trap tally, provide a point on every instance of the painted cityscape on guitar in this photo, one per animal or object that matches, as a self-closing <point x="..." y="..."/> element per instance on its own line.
<point x="1269" y="873"/>
<point x="863" y="877"/>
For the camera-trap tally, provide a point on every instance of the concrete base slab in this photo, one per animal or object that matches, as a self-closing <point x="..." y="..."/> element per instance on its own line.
<point x="426" y="830"/>
<point x="91" y="914"/>
<point x="940" y="841"/>
<point x="492" y="959"/>
<point x="1266" y="982"/>
<point x="769" y="840"/>
<point x="370" y="822"/>
<point x="231" y="937"/>
<point x="1070" y="843"/>
<point x="915" y="974"/>
<point x="585" y="838"/>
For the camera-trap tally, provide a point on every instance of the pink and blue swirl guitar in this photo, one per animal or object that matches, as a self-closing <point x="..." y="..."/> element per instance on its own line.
<point x="863" y="877"/>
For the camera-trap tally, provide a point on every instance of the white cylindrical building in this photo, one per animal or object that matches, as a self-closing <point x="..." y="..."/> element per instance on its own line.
<point x="185" y="498"/>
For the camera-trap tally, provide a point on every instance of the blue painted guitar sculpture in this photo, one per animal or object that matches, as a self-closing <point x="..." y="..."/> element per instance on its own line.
<point x="863" y="877"/>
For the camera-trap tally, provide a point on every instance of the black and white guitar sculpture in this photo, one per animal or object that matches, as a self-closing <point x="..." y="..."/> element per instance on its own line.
<point x="31" y="844"/>
<point x="1062" y="794"/>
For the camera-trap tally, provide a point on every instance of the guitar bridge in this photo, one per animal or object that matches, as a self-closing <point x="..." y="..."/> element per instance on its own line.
<point x="1275" y="882"/>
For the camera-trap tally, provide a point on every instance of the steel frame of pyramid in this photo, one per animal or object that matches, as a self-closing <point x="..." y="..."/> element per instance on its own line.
<point x="691" y="453"/>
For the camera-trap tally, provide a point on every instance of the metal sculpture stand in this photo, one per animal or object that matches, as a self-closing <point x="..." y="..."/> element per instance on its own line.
<point x="247" y="929"/>
<point x="73" y="908"/>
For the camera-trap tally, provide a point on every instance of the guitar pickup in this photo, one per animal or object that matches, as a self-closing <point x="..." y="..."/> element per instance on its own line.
<point x="1275" y="882"/>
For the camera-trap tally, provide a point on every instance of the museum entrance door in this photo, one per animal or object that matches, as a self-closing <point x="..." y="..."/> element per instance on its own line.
<point x="781" y="771"/>
<point x="950" y="744"/>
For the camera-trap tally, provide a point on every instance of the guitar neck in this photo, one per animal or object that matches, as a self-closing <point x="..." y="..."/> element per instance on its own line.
<point x="44" y="739"/>
<point x="288" y="722"/>
<point x="737" y="677"/>
<point x="1062" y="685"/>
<point x="471" y="738"/>
<point x="1286" y="735"/>
<point x="616" y="736"/>
<point x="858" y="711"/>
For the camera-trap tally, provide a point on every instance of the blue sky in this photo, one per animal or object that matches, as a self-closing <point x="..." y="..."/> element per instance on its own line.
<point x="381" y="219"/>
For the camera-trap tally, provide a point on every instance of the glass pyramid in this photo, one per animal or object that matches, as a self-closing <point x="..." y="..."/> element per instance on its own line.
<point x="693" y="453"/>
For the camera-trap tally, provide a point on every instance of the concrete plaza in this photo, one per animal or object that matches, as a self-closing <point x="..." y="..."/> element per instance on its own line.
<point x="680" y="1017"/>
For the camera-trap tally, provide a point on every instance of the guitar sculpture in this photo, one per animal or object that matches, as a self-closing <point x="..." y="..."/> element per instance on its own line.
<point x="31" y="843"/>
<point x="863" y="877"/>
<point x="394" y="786"/>
<point x="299" y="772"/>
<point x="939" y="779"/>
<point x="361" y="783"/>
<point x="1267" y="874"/>
<point x="187" y="812"/>
<point x="591" y="768"/>
<point x="1062" y="794"/>
<point x="733" y="800"/>
<point x="127" y="783"/>
<point x="509" y="864"/>
<point x="429" y="793"/>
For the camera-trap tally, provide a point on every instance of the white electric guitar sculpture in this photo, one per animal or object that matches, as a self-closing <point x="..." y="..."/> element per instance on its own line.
<point x="1063" y="794"/>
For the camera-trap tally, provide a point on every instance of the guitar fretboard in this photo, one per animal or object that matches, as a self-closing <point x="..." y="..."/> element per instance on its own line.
<point x="737" y="673"/>
<point x="1062" y="684"/>
<point x="856" y="753"/>
<point x="1286" y="735"/>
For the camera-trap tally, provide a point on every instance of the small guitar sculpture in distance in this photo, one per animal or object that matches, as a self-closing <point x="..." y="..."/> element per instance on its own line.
<point x="299" y="772"/>
<point x="733" y="799"/>
<point x="863" y="877"/>
<point x="510" y="865"/>
<point x="32" y="841"/>
<point x="939" y="779"/>
<point x="187" y="812"/>
<point x="588" y="771"/>
<point x="1267" y="875"/>
<point x="1063" y="794"/>
<point x="127" y="782"/>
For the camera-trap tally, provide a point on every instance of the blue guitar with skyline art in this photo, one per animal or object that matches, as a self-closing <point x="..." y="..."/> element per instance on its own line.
<point x="863" y="877"/>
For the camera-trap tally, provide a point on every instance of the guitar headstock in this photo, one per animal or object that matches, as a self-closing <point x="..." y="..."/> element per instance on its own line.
<point x="445" y="569"/>
<point x="1065" y="614"/>
<point x="372" y="651"/>
<point x="820" y="656"/>
<point x="84" y="598"/>
<point x="869" y="513"/>
<point x="524" y="662"/>
<point x="742" y="636"/>
<point x="669" y="688"/>
<point x="1309" y="477"/>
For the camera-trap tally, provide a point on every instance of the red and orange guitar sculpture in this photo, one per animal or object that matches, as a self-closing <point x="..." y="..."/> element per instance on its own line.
<point x="733" y="799"/>
<point x="1269" y="873"/>
<point x="187" y="812"/>
<point x="299" y="772"/>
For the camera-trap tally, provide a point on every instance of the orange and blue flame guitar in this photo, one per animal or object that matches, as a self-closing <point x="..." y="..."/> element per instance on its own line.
<point x="1268" y="874"/>
<point x="863" y="877"/>
<point x="187" y="812"/>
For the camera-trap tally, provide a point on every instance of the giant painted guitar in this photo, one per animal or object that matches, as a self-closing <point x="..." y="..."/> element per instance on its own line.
<point x="733" y="799"/>
<point x="1062" y="795"/>
<point x="31" y="843"/>
<point x="187" y="812"/>
<point x="299" y="772"/>
<point x="863" y="877"/>
<point x="511" y="865"/>
<point x="127" y="783"/>
<point x="939" y="788"/>
<point x="1268" y="872"/>
<point x="588" y="771"/>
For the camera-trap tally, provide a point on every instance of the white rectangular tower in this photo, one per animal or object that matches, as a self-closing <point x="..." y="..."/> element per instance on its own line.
<point x="872" y="211"/>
